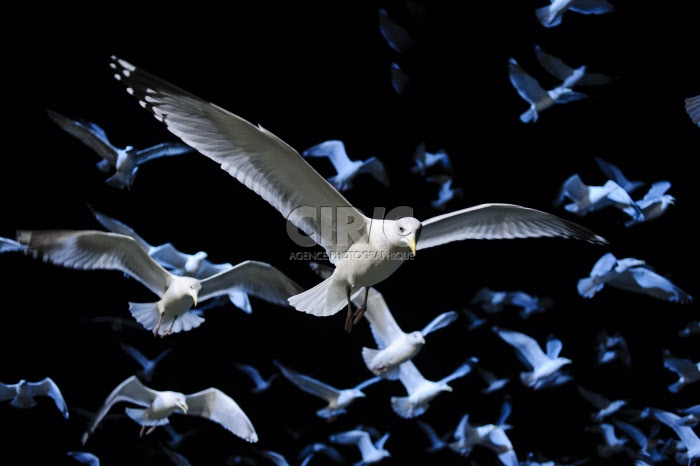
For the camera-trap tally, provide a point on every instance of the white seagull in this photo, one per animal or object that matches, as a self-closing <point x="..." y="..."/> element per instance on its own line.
<point x="686" y="434"/>
<point x="605" y="406"/>
<point x="172" y="313"/>
<point x="422" y="391"/>
<point x="447" y="192"/>
<point x="339" y="400"/>
<point x="614" y="173"/>
<point x="687" y="371"/>
<point x="586" y="199"/>
<point x="632" y="275"/>
<point x="537" y="96"/>
<point x="148" y="365"/>
<point x="365" y="251"/>
<point x="496" y="301"/>
<point x="394" y="345"/>
<point x="424" y="160"/>
<point x="551" y="15"/>
<point x="261" y="383"/>
<point x="23" y="394"/>
<point x="314" y="449"/>
<point x="567" y="74"/>
<point x="542" y="365"/>
<point x="346" y="169"/>
<point x="191" y="265"/>
<point x="654" y="204"/>
<point x="491" y="436"/>
<point x="372" y="452"/>
<point x="211" y="404"/>
<point x="124" y="161"/>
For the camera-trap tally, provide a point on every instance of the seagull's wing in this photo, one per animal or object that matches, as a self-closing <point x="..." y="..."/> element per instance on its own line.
<point x="309" y="384"/>
<point x="89" y="134"/>
<point x="254" y="156"/>
<point x="91" y="250"/>
<point x="681" y="366"/>
<point x="334" y="149"/>
<point x="215" y="405"/>
<point x="7" y="391"/>
<point x="645" y="280"/>
<point x="604" y="265"/>
<point x="499" y="221"/>
<point x="657" y="190"/>
<point x="143" y="361"/>
<point x="164" y="149"/>
<point x="251" y="372"/>
<point x="10" y="245"/>
<point x="410" y="376"/>
<point x="527" y="86"/>
<point x="555" y="66"/>
<point x="692" y="108"/>
<point x="443" y="320"/>
<point x="384" y="327"/>
<point x="591" y="7"/>
<point x="130" y="390"/>
<point x="169" y="256"/>
<point x="395" y="35"/>
<point x="596" y="399"/>
<point x="527" y="346"/>
<point x="614" y="173"/>
<point x="115" y="226"/>
<point x="685" y="433"/>
<point x="554" y="347"/>
<point x="47" y="387"/>
<point x="376" y="168"/>
<point x="461" y="371"/>
<point x="255" y="278"/>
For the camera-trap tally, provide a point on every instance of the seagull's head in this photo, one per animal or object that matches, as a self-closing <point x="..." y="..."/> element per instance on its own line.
<point x="404" y="232"/>
<point x="181" y="403"/>
<point x="416" y="339"/>
<point x="190" y="287"/>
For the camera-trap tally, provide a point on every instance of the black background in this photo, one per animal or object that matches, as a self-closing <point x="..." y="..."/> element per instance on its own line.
<point x="310" y="72"/>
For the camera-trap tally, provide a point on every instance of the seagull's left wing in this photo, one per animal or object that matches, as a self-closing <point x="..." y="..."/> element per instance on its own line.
<point x="215" y="405"/>
<point x="499" y="221"/>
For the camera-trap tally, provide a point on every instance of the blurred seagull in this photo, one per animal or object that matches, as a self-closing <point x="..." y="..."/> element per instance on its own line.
<point x="346" y="169"/>
<point x="148" y="365"/>
<point x="543" y="365"/>
<point x="211" y="404"/>
<point x="276" y="458"/>
<point x="491" y="436"/>
<point x="370" y="250"/>
<point x="605" y="406"/>
<point x="395" y="35"/>
<point x="646" y="454"/>
<point x="338" y="399"/>
<point x="495" y="301"/>
<point x="691" y="328"/>
<point x="447" y="192"/>
<point x="399" y="79"/>
<point x="551" y="15"/>
<point x="437" y="443"/>
<point x="91" y="249"/>
<point x="310" y="451"/>
<point x="538" y="97"/>
<point x="589" y="198"/>
<point x="691" y="415"/>
<point x="125" y="162"/>
<point x="191" y="265"/>
<point x="632" y="275"/>
<point x="23" y="394"/>
<point x="654" y="204"/>
<point x="372" y="452"/>
<point x="422" y="391"/>
<point x="692" y="107"/>
<point x="395" y="345"/>
<point x="84" y="457"/>
<point x="687" y="371"/>
<point x="493" y="383"/>
<point x="565" y="73"/>
<point x="685" y="433"/>
<point x="424" y="160"/>
<point x="612" y="444"/>
<point x="612" y="347"/>
<point x="261" y="384"/>
<point x="614" y="173"/>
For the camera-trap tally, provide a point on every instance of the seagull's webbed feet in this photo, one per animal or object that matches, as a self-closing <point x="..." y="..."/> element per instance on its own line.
<point x="157" y="329"/>
<point x="349" y="318"/>
<point x="170" y="329"/>
<point x="361" y="310"/>
<point x="146" y="432"/>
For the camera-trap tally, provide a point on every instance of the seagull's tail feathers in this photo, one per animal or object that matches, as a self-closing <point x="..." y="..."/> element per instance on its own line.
<point x="324" y="299"/>
<point x="587" y="287"/>
<point x="404" y="408"/>
<point x="368" y="355"/>
<point x="121" y="180"/>
<point x="544" y="16"/>
<point x="141" y="416"/>
<point x="23" y="403"/>
<point x="529" y="116"/>
<point x="528" y="378"/>
<point x="147" y="315"/>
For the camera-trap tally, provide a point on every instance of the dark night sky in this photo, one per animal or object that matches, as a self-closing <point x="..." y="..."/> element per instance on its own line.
<point x="320" y="70"/>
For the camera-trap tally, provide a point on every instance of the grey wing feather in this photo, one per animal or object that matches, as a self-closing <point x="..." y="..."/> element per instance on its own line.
<point x="89" y="134"/>
<point x="309" y="384"/>
<point x="164" y="149"/>
<point x="443" y="320"/>
<point x="499" y="221"/>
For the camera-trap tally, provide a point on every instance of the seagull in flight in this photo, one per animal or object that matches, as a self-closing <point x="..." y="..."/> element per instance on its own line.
<point x="261" y="383"/>
<point x="372" y="452"/>
<point x="124" y="161"/>
<point x="172" y="313"/>
<point x="157" y="406"/>
<point x="364" y="250"/>
<point x="346" y="169"/>
<point x="23" y="394"/>
<point x="551" y="15"/>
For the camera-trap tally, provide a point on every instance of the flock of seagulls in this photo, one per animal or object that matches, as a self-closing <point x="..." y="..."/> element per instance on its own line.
<point x="415" y="367"/>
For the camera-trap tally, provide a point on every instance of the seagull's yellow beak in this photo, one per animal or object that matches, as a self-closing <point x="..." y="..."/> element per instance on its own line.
<point x="412" y="244"/>
<point x="195" y="299"/>
<point x="184" y="407"/>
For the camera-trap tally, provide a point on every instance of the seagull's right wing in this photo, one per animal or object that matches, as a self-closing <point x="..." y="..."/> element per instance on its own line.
<point x="527" y="86"/>
<point x="89" y="134"/>
<point x="309" y="384"/>
<point x="254" y="156"/>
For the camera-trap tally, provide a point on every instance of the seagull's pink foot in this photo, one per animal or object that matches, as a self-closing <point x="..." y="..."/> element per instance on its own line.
<point x="359" y="313"/>
<point x="151" y="429"/>
<point x="143" y="428"/>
